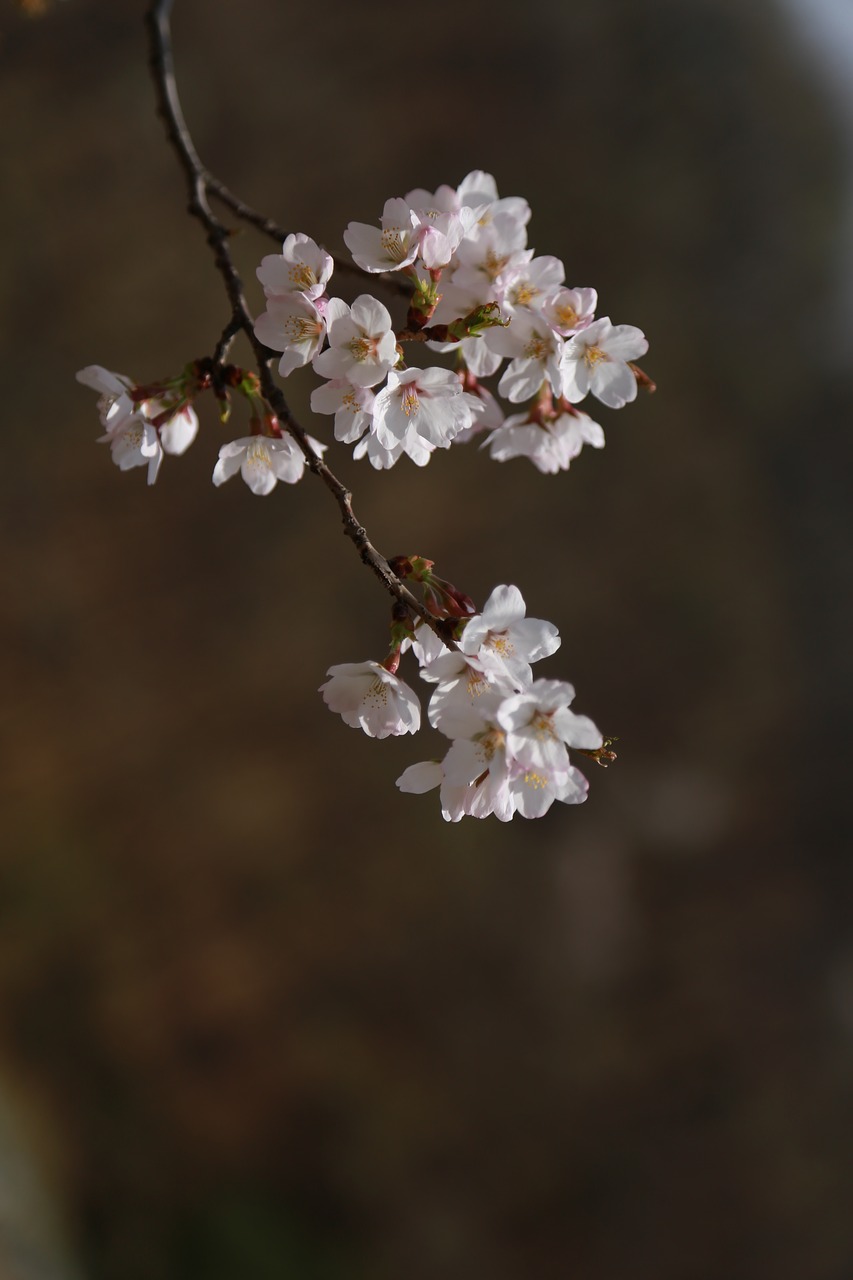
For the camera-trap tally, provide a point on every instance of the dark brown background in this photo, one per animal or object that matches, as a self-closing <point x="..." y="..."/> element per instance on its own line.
<point x="262" y="1016"/>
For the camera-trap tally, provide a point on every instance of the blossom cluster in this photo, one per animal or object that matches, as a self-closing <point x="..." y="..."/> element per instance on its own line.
<point x="139" y="431"/>
<point x="509" y="734"/>
<point x="140" y="427"/>
<point x="479" y="293"/>
<point x="478" y="296"/>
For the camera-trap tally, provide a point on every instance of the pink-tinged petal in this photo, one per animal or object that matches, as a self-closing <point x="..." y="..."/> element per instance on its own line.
<point x="534" y="793"/>
<point x="577" y="731"/>
<point x="154" y="466"/>
<point x="179" y="432"/>
<point x="287" y="464"/>
<point x="522" y="380"/>
<point x="420" y="778"/>
<point x="465" y="761"/>
<point x="226" y="467"/>
<point x="334" y="362"/>
<point x="477" y="187"/>
<point x="574" y="789"/>
<point x="336" y="309"/>
<point x="535" y="639"/>
<point x="626" y="342"/>
<point x="365" y="244"/>
<point x="370" y="315"/>
<point x="575" y="379"/>
<point x="328" y="398"/>
<point x="504" y="606"/>
<point x="235" y="448"/>
<point x="613" y="384"/>
<point x="261" y="480"/>
<point x="101" y="379"/>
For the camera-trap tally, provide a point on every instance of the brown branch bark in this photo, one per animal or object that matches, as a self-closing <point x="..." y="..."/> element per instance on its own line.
<point x="201" y="185"/>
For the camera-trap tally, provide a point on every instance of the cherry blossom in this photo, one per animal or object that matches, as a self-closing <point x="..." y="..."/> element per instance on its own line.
<point x="301" y="267"/>
<point x="537" y="351"/>
<point x="292" y="323"/>
<point x="367" y="696"/>
<point x="362" y="347"/>
<point x="504" y="640"/>
<point x="382" y="457"/>
<point x="431" y="402"/>
<point x="478" y="295"/>
<point x="115" y="404"/>
<point x="550" y="445"/>
<point x="596" y="360"/>
<point x="570" y="310"/>
<point x="351" y="405"/>
<point x="527" y="286"/>
<point x="177" y="432"/>
<point x="540" y="727"/>
<point x="135" y="443"/>
<point x="387" y="248"/>
<point x="262" y="461"/>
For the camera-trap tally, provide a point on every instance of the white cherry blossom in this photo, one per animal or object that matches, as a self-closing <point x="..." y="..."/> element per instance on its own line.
<point x="178" y="432"/>
<point x="412" y="445"/>
<point x="351" y="405"/>
<point x="480" y="765"/>
<point x="527" y="287"/>
<point x="363" y="347"/>
<point x="425" y="644"/>
<point x="367" y="696"/>
<point x="135" y="443"/>
<point x="570" y="310"/>
<point x="389" y="247"/>
<point x="301" y="267"/>
<point x="537" y="350"/>
<point x="533" y="791"/>
<point x="292" y="323"/>
<point x="540" y="727"/>
<point x="262" y="461"/>
<point x="115" y="405"/>
<point x="465" y="695"/>
<point x="504" y="640"/>
<point x="597" y="359"/>
<point x="550" y="445"/>
<point x="430" y="402"/>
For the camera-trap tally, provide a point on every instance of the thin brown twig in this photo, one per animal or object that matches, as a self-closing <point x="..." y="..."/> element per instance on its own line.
<point x="268" y="227"/>
<point x="201" y="185"/>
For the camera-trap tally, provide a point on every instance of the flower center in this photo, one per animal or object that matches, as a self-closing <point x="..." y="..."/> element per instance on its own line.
<point x="257" y="455"/>
<point x="566" y="315"/>
<point x="493" y="265"/>
<point x="362" y="348"/>
<point x="523" y="294"/>
<point x="593" y="356"/>
<point x="377" y="694"/>
<point x="542" y="726"/>
<point x="300" y="329"/>
<point x="392" y="243"/>
<point x="501" y="643"/>
<point x="410" y="402"/>
<point x="537" y="348"/>
<point x="301" y="276"/>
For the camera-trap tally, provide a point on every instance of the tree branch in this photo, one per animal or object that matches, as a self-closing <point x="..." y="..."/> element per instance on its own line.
<point x="201" y="186"/>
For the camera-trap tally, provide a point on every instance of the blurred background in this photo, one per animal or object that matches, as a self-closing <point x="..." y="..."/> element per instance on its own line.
<point x="261" y="1016"/>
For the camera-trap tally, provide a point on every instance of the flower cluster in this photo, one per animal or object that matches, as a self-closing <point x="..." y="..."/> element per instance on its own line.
<point x="509" y="734"/>
<point x="143" y="423"/>
<point x="477" y="292"/>
<point x="138" y="428"/>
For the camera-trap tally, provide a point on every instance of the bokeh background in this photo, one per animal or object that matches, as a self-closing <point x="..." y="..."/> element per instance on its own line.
<point x="261" y="1016"/>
